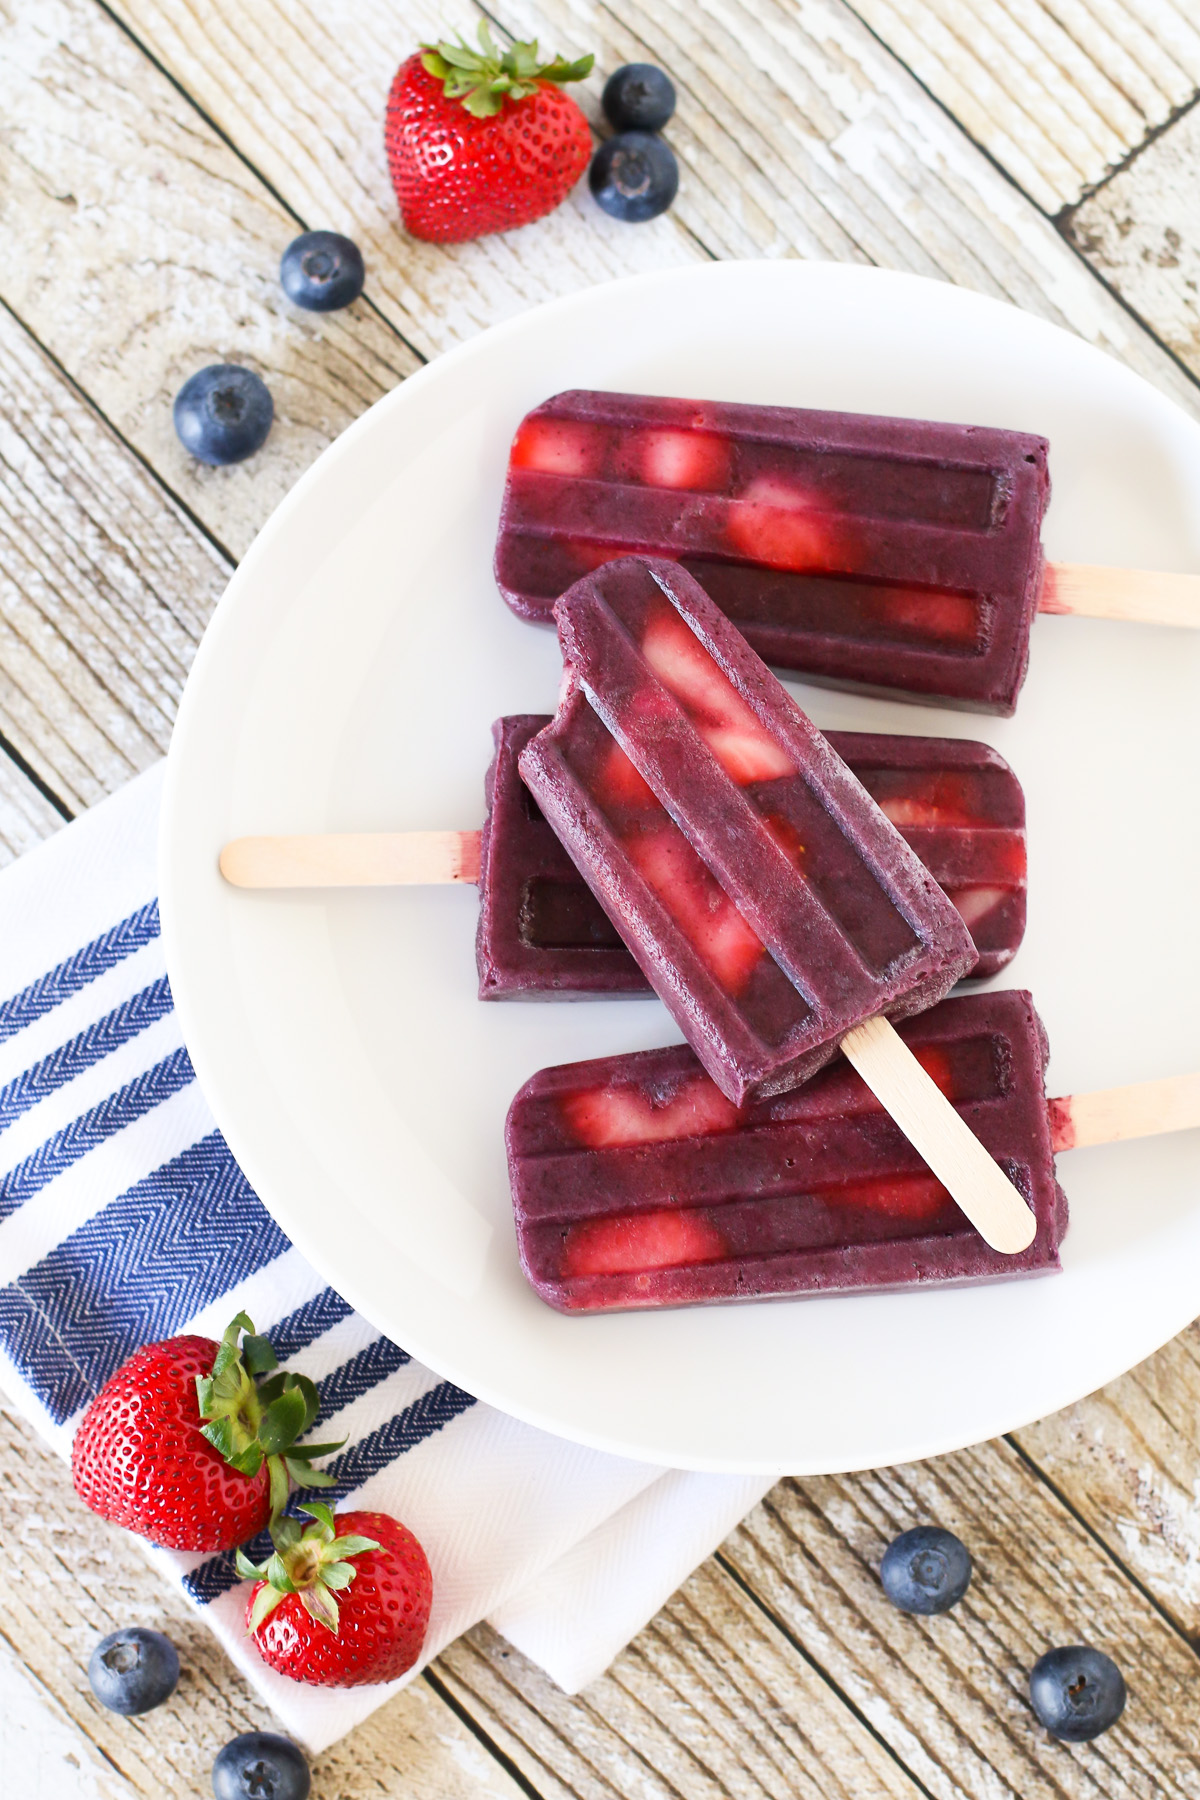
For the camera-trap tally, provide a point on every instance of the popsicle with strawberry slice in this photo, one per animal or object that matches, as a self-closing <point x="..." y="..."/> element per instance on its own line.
<point x="636" y="1183"/>
<point x="892" y="555"/>
<point x="543" y="935"/>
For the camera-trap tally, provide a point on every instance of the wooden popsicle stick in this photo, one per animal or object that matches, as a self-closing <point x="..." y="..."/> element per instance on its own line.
<point x="1149" y="596"/>
<point x="1001" y="1215"/>
<point x="1110" y="1114"/>
<point x="362" y="859"/>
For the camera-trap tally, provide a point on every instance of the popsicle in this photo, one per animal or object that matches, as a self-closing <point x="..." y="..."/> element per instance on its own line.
<point x="763" y="894"/>
<point x="897" y="556"/>
<point x="541" y="931"/>
<point x="544" y="936"/>
<point x="636" y="1183"/>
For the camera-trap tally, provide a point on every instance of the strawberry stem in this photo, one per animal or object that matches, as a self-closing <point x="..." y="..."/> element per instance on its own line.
<point x="251" y="1421"/>
<point x="485" y="79"/>
<point x="310" y="1561"/>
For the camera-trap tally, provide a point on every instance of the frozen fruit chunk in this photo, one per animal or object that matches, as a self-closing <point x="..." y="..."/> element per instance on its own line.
<point x="604" y="1116"/>
<point x="659" y="1240"/>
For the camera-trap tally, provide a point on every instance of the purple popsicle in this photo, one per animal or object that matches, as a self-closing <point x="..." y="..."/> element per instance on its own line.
<point x="763" y="894"/>
<point x="544" y="935"/>
<point x="636" y="1183"/>
<point x="891" y="555"/>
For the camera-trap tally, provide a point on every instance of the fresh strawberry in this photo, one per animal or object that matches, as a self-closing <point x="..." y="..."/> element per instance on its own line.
<point x="483" y="140"/>
<point x="375" y="1633"/>
<point x="185" y="1447"/>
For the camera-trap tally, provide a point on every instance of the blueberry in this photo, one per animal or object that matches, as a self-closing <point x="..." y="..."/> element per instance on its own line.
<point x="260" y="1766"/>
<point x="926" y="1570"/>
<point x="223" y="413"/>
<point x="634" y="176"/>
<point x="1077" y="1692"/>
<point x="321" y="271"/>
<point x="638" y="97"/>
<point x="133" y="1670"/>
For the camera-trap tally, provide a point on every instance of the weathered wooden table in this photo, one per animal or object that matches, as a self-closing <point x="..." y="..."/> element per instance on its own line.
<point x="155" y="157"/>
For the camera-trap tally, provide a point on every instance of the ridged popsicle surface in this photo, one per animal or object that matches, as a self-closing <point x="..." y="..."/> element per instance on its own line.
<point x="766" y="898"/>
<point x="890" y="555"/>
<point x="636" y="1183"/>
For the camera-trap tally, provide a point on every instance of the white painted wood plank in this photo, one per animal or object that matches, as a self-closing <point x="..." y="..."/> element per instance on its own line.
<point x="949" y="1693"/>
<point x="709" y="1700"/>
<point x="1141" y="231"/>
<point x="1057" y="94"/>
<point x="1128" y="1458"/>
<point x="139" y="248"/>
<point x="797" y="135"/>
<point x="26" y="816"/>
<point x="105" y="587"/>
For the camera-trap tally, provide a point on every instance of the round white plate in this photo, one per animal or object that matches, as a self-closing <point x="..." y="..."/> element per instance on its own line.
<point x="348" y="682"/>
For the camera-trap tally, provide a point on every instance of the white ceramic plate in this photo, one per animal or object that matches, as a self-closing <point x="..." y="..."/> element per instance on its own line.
<point x="348" y="682"/>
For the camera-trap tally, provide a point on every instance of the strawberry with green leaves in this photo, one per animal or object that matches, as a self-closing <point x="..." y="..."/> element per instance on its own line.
<point x="341" y="1602"/>
<point x="187" y="1445"/>
<point x="483" y="140"/>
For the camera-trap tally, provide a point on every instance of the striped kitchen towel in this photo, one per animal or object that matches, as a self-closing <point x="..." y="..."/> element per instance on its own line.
<point x="124" y="1218"/>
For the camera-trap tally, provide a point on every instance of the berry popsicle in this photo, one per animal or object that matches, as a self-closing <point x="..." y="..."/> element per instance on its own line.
<point x="543" y="935"/>
<point x="765" y="897"/>
<point x="897" y="556"/>
<point x="636" y="1183"/>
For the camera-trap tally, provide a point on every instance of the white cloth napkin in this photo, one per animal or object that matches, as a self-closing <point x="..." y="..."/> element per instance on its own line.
<point x="124" y="1219"/>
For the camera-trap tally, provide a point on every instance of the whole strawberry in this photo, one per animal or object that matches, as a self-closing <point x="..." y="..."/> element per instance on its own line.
<point x="376" y="1631"/>
<point x="184" y="1446"/>
<point x="483" y="140"/>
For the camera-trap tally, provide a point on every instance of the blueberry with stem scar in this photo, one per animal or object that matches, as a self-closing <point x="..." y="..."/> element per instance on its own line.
<point x="926" y="1570"/>
<point x="223" y="414"/>
<point x="638" y="97"/>
<point x="1077" y="1692"/>
<point x="322" y="271"/>
<point x="261" y="1765"/>
<point x="634" y="176"/>
<point x="133" y="1670"/>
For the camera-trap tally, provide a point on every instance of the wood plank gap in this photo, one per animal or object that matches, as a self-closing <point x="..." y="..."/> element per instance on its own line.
<point x="1119" y="1562"/>
<point x="834" y="1686"/>
<point x="35" y="780"/>
<point x="245" y="160"/>
<point x="1066" y="214"/>
<point x="433" y="1680"/>
<point x="988" y="155"/>
<point x="82" y="394"/>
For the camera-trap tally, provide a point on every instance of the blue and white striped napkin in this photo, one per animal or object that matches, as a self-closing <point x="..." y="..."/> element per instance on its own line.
<point x="124" y="1218"/>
